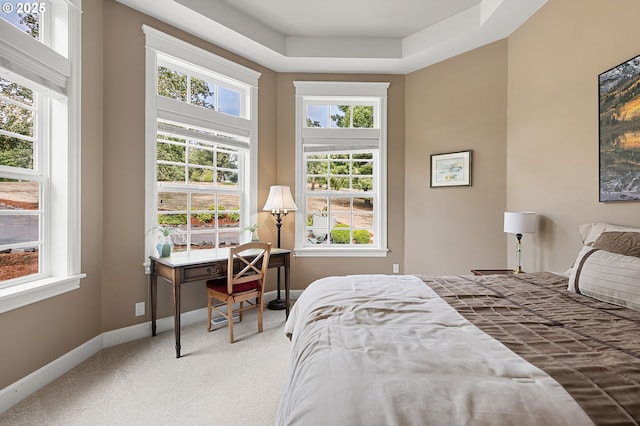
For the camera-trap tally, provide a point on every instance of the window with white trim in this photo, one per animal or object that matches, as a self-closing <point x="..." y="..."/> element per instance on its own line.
<point x="341" y="168"/>
<point x="39" y="151"/>
<point x="201" y="145"/>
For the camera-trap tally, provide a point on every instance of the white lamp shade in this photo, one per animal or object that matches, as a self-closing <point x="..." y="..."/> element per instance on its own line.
<point x="280" y="199"/>
<point x="520" y="222"/>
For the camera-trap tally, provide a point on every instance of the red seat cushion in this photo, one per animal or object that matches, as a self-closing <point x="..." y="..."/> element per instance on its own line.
<point x="221" y="286"/>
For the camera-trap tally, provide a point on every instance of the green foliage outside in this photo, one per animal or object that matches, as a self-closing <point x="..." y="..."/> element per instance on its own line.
<point x="343" y="236"/>
<point x="362" y="236"/>
<point x="318" y="170"/>
<point x="362" y="116"/>
<point x="340" y="166"/>
<point x="173" y="84"/>
<point x="172" y="219"/>
<point x="208" y="217"/>
<point x="340" y="236"/>
<point x="14" y="151"/>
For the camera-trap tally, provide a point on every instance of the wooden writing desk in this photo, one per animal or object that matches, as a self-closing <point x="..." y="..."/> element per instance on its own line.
<point x="201" y="265"/>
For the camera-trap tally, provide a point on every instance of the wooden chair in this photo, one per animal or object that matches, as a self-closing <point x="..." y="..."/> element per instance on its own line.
<point x="246" y="274"/>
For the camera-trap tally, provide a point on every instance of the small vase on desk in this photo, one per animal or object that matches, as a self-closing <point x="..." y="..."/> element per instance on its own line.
<point x="164" y="247"/>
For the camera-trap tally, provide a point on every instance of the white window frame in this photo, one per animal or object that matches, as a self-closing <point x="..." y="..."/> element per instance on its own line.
<point x="166" y="50"/>
<point x="343" y="93"/>
<point x="51" y="68"/>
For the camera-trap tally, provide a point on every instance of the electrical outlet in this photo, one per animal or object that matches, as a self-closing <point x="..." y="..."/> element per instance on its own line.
<point x="139" y="309"/>
<point x="396" y="268"/>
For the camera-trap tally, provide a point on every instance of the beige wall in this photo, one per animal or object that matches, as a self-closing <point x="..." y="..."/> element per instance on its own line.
<point x="526" y="106"/>
<point x="456" y="105"/>
<point x="552" y="153"/>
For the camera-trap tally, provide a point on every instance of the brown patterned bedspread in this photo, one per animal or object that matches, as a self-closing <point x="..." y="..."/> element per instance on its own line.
<point x="590" y="347"/>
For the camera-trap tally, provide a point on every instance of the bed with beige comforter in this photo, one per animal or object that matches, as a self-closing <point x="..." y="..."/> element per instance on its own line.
<point x="456" y="350"/>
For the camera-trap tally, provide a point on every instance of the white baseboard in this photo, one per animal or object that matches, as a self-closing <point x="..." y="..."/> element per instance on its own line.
<point x="24" y="387"/>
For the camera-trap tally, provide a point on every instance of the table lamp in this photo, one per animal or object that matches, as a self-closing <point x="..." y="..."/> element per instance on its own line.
<point x="519" y="223"/>
<point x="279" y="203"/>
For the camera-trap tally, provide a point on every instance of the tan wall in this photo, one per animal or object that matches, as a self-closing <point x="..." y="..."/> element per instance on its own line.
<point x="307" y="269"/>
<point x="37" y="334"/>
<point x="456" y="105"/>
<point x="552" y="154"/>
<point x="544" y="79"/>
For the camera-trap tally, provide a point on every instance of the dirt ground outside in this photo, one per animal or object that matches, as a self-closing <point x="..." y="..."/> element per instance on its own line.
<point x="339" y="205"/>
<point x="18" y="195"/>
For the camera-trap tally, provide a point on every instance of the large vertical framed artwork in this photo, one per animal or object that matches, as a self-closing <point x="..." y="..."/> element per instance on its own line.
<point x="619" y="93"/>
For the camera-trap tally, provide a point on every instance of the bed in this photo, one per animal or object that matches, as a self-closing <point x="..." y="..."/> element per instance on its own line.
<point x="526" y="349"/>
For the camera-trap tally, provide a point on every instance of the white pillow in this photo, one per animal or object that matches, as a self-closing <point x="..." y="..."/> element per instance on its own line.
<point x="591" y="231"/>
<point x="606" y="276"/>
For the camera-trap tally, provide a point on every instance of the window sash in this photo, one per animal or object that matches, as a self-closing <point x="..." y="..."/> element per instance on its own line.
<point x="51" y="68"/>
<point x="189" y="187"/>
<point x="331" y="140"/>
<point x="331" y="194"/>
<point x="192" y="71"/>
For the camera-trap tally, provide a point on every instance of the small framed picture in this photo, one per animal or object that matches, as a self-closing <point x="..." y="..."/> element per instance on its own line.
<point x="451" y="169"/>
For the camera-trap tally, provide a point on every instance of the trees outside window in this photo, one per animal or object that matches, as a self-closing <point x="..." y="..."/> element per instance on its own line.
<point x="39" y="155"/>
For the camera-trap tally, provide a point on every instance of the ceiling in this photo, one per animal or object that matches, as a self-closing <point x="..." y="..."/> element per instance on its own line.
<point x="363" y="36"/>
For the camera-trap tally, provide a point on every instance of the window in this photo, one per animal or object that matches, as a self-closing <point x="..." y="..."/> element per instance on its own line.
<point x="341" y="169"/>
<point x="201" y="145"/>
<point x="39" y="151"/>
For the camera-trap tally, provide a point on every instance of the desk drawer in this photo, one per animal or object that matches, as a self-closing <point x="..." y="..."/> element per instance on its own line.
<point x="276" y="261"/>
<point x="205" y="272"/>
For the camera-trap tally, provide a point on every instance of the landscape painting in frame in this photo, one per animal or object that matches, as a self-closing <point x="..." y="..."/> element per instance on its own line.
<point x="451" y="169"/>
<point x="620" y="132"/>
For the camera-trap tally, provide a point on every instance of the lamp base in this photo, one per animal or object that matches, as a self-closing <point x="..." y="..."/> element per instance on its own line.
<point x="277" y="305"/>
<point x="518" y="270"/>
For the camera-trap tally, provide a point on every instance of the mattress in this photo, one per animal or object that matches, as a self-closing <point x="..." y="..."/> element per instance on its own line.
<point x="377" y="349"/>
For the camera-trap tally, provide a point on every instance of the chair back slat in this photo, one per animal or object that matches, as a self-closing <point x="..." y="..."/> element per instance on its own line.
<point x="248" y="255"/>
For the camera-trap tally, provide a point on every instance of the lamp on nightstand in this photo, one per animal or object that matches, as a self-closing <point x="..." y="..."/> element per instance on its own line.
<point x="279" y="203"/>
<point x="519" y="223"/>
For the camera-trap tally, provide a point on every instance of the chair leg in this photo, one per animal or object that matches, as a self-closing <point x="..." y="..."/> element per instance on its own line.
<point x="260" y="310"/>
<point x="241" y="310"/>
<point x="209" y="308"/>
<point x="230" y="320"/>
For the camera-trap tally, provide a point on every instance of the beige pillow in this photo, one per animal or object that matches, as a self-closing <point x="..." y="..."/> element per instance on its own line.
<point x="627" y="243"/>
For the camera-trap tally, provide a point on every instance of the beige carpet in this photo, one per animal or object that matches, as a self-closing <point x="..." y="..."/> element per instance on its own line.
<point x="142" y="382"/>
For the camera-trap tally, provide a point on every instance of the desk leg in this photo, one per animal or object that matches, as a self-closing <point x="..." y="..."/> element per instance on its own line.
<point x="176" y="315"/>
<point x="286" y="284"/>
<point x="154" y="302"/>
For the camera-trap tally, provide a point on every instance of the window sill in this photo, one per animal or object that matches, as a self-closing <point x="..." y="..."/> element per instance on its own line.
<point x="334" y="251"/>
<point x="20" y="295"/>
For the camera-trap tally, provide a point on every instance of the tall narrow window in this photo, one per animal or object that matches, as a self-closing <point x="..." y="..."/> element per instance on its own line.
<point x="201" y="145"/>
<point x="39" y="150"/>
<point x="341" y="163"/>
<point x="23" y="180"/>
